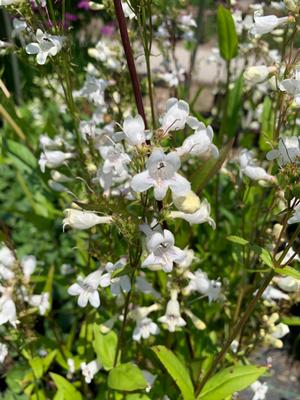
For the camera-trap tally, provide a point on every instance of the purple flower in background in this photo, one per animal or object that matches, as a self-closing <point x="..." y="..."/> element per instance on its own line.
<point x="108" y="29"/>
<point x="84" y="4"/>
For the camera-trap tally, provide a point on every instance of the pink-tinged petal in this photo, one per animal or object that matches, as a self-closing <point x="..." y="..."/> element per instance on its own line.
<point x="94" y="299"/>
<point x="179" y="185"/>
<point x="167" y="266"/>
<point x="75" y="289"/>
<point x="142" y="182"/>
<point x="32" y="48"/>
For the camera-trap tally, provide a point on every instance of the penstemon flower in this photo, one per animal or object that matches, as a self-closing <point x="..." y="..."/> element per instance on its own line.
<point x="45" y="45"/>
<point x="87" y="288"/>
<point x="161" y="174"/>
<point x="162" y="251"/>
<point x="81" y="220"/>
<point x="90" y="370"/>
<point x="172" y="318"/>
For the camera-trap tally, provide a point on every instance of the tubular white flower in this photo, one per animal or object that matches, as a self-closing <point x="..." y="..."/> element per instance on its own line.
<point x="199" y="282"/>
<point x="176" y="115"/>
<point x="81" y="220"/>
<point x="265" y="24"/>
<point x="288" y="151"/>
<point x="260" y="390"/>
<point x="249" y="168"/>
<point x="53" y="159"/>
<point x="87" y="289"/>
<point x="200" y="143"/>
<point x="41" y="301"/>
<point x="134" y="130"/>
<point x="200" y="216"/>
<point x="162" y="251"/>
<point x="172" y="318"/>
<point x="90" y="370"/>
<point x="28" y="264"/>
<point x="46" y="45"/>
<point x="258" y="73"/>
<point x="287" y="283"/>
<point x="145" y="327"/>
<point x="8" y="312"/>
<point x="161" y="174"/>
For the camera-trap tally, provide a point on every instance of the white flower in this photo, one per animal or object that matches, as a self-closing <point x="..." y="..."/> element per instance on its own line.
<point x="162" y="251"/>
<point x="28" y="264"/>
<point x="81" y="220"/>
<point x="8" y="312"/>
<point x="198" y="217"/>
<point x="200" y="282"/>
<point x="288" y="151"/>
<point x="260" y="390"/>
<point x="144" y="328"/>
<point x="87" y="288"/>
<point x="46" y="45"/>
<point x="7" y="257"/>
<point x="272" y="293"/>
<point x="115" y="159"/>
<point x="161" y="174"/>
<point x="150" y="378"/>
<point x="292" y="86"/>
<point x="6" y="273"/>
<point x="127" y="10"/>
<point x="134" y="130"/>
<point x="176" y="115"/>
<point x="266" y="24"/>
<point x="190" y="257"/>
<point x="200" y="143"/>
<point x="287" y="283"/>
<point x="280" y="331"/>
<point x="71" y="365"/>
<point x="120" y="284"/>
<point x="172" y="317"/>
<point x="53" y="159"/>
<point x="41" y="301"/>
<point x="90" y="370"/>
<point x="19" y="26"/>
<point x="3" y="352"/>
<point x="93" y="89"/>
<point x="249" y="168"/>
<point x="188" y="202"/>
<point x="258" y="73"/>
<point x="295" y="219"/>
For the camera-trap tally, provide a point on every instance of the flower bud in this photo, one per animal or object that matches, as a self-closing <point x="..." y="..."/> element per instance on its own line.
<point x="258" y="73"/>
<point x="83" y="219"/>
<point x="188" y="203"/>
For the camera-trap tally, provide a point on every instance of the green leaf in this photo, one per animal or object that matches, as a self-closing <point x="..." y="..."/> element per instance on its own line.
<point x="294" y="321"/>
<point x="210" y="169"/>
<point x="267" y="125"/>
<point x="288" y="271"/>
<point x="230" y="380"/>
<point x="177" y="371"/>
<point x="66" y="388"/>
<point x="227" y="37"/>
<point x="105" y="346"/>
<point x="36" y="365"/>
<point x="263" y="254"/>
<point x="238" y="240"/>
<point x="126" y="377"/>
<point x="22" y="153"/>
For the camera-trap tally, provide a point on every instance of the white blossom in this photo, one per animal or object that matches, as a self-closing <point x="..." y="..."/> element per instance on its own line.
<point x="265" y="24"/>
<point x="172" y="318"/>
<point x="53" y="159"/>
<point x="287" y="283"/>
<point x="3" y="352"/>
<point x="145" y="327"/>
<point x="45" y="45"/>
<point x="272" y="293"/>
<point x="81" y="220"/>
<point x="177" y="112"/>
<point x="28" y="264"/>
<point x="260" y="390"/>
<point x="162" y="251"/>
<point x="199" y="282"/>
<point x="258" y="73"/>
<point x="288" y="151"/>
<point x="41" y="301"/>
<point x="93" y="89"/>
<point x="8" y="312"/>
<point x="200" y="143"/>
<point x="134" y="130"/>
<point x="200" y="216"/>
<point x="90" y="370"/>
<point x="250" y="169"/>
<point x="161" y="173"/>
<point x="87" y="288"/>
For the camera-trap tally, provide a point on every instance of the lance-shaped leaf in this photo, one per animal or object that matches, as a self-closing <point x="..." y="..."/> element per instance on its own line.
<point x="228" y="40"/>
